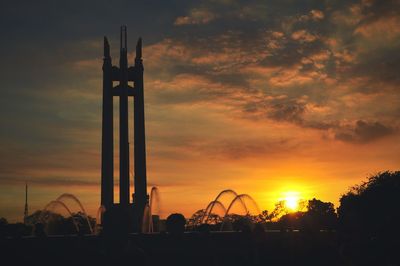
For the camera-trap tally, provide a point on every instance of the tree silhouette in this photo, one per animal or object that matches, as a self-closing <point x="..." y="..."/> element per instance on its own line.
<point x="291" y="221"/>
<point x="3" y="221"/>
<point x="372" y="207"/>
<point x="3" y="227"/>
<point x="56" y="224"/>
<point x="241" y="223"/>
<point x="320" y="215"/>
<point x="195" y="219"/>
<point x="369" y="216"/>
<point x="176" y="224"/>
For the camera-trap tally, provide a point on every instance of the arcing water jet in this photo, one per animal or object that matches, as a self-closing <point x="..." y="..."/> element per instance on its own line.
<point x="217" y="199"/>
<point x="75" y="199"/>
<point x="54" y="203"/>
<point x="240" y="198"/>
<point x="209" y="209"/>
<point x="149" y="210"/>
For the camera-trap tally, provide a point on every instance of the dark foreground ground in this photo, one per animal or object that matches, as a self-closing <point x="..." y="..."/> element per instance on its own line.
<point x="225" y="248"/>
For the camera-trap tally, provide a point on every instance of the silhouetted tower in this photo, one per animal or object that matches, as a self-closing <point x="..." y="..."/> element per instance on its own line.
<point x="26" y="203"/>
<point x="123" y="74"/>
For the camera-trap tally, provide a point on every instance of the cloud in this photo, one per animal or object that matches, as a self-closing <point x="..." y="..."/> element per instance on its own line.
<point x="231" y="71"/>
<point x="303" y="36"/>
<point x="293" y="76"/>
<point x="236" y="149"/>
<point x="364" y="132"/>
<point x="314" y="15"/>
<point x="196" y="16"/>
<point x="317" y="14"/>
<point x="189" y="89"/>
<point x="385" y="27"/>
<point x="291" y="111"/>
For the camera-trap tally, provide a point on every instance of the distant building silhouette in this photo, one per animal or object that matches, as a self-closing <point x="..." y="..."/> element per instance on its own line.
<point x="124" y="74"/>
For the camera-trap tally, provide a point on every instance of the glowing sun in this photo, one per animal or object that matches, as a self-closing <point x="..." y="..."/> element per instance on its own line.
<point x="291" y="200"/>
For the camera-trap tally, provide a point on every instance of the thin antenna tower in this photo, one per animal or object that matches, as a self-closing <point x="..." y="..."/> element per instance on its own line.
<point x="26" y="203"/>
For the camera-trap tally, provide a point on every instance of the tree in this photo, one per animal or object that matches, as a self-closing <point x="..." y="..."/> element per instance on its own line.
<point x="373" y="207"/>
<point x="3" y="221"/>
<point x="320" y="215"/>
<point x="278" y="211"/>
<point x="57" y="224"/>
<point x="3" y="227"/>
<point x="214" y="218"/>
<point x="238" y="222"/>
<point x="196" y="218"/>
<point x="176" y="224"/>
<point x="290" y="221"/>
<point x="369" y="216"/>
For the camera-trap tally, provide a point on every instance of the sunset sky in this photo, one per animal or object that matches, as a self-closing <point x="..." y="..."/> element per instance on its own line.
<point x="264" y="97"/>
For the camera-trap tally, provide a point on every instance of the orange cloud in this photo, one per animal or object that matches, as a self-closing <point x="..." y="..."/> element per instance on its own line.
<point x="303" y="36"/>
<point x="290" y="76"/>
<point x="196" y="16"/>
<point x="386" y="28"/>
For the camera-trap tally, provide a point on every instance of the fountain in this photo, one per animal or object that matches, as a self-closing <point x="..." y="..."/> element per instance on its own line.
<point x="147" y="224"/>
<point x="76" y="200"/>
<point x="100" y="211"/>
<point x="50" y="206"/>
<point x="62" y="201"/>
<point x="66" y="200"/>
<point x="217" y="198"/>
<point x="244" y="201"/>
<point x="155" y="201"/>
<point x="208" y="211"/>
<point x="224" y="193"/>
<point x="150" y="210"/>
<point x="240" y="198"/>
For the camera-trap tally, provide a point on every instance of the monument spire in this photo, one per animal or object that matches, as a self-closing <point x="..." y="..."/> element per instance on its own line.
<point x="140" y="196"/>
<point x="123" y="74"/>
<point x="106" y="48"/>
<point x="107" y="141"/>
<point x="124" y="183"/>
<point x="139" y="49"/>
<point x="26" y="203"/>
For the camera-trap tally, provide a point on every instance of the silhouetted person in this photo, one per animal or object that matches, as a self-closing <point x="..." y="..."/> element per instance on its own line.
<point x="176" y="224"/>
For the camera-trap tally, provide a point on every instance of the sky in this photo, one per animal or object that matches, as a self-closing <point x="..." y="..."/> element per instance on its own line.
<point x="263" y="97"/>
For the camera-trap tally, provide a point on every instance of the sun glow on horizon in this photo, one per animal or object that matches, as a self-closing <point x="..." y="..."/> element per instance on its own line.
<point x="291" y="200"/>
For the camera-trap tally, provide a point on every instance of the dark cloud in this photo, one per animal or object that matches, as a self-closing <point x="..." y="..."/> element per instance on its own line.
<point x="365" y="132"/>
<point x="375" y="9"/>
<point x="290" y="111"/>
<point x="236" y="149"/>
<point x="384" y="75"/>
<point x="244" y="149"/>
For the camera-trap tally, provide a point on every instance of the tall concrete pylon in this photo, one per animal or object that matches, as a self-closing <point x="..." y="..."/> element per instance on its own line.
<point x="123" y="75"/>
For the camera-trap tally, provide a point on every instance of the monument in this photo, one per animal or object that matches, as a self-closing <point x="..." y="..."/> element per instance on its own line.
<point x="123" y="75"/>
<point x="26" y="204"/>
